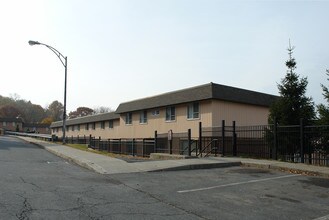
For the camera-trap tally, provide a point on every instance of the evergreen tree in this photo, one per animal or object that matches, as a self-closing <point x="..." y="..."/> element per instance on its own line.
<point x="293" y="103"/>
<point x="323" y="110"/>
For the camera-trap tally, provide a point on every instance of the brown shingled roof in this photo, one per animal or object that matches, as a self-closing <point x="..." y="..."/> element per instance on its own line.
<point x="198" y="93"/>
<point x="87" y="119"/>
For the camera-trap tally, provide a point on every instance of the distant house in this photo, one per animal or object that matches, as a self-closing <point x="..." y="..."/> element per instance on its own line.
<point x="17" y="124"/>
<point x="37" y="128"/>
<point x="11" y="124"/>
<point x="176" y="111"/>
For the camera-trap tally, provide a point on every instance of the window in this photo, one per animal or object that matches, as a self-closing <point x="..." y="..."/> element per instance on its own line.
<point x="143" y="117"/>
<point x="129" y="118"/>
<point x="72" y="128"/>
<point x="78" y="127"/>
<point x="94" y="126"/>
<point x="170" y="113"/>
<point x="103" y="125"/>
<point x="87" y="126"/>
<point x="4" y="123"/>
<point x="156" y="112"/>
<point x="110" y="123"/>
<point x="193" y="110"/>
<point x="14" y="124"/>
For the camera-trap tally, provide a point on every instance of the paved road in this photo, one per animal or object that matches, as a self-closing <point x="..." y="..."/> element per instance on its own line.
<point x="237" y="193"/>
<point x="38" y="185"/>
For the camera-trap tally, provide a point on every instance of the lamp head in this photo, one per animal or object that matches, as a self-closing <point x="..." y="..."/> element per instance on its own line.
<point x="31" y="42"/>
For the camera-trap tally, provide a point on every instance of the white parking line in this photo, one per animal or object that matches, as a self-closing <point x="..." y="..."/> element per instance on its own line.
<point x="322" y="218"/>
<point x="238" y="183"/>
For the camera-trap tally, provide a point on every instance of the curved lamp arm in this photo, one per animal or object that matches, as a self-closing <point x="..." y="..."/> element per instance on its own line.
<point x="56" y="52"/>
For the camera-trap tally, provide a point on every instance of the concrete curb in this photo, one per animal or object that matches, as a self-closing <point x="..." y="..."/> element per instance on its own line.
<point x="164" y="156"/>
<point x="199" y="166"/>
<point x="83" y="163"/>
<point x="282" y="167"/>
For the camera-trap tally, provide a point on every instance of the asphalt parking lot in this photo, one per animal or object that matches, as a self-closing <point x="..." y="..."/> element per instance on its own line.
<point x="236" y="193"/>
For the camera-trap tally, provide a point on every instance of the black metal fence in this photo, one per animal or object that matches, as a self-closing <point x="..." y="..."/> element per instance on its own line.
<point x="142" y="147"/>
<point x="296" y="143"/>
<point x="176" y="143"/>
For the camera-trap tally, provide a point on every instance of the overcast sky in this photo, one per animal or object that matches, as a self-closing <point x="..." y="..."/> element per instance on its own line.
<point x="121" y="50"/>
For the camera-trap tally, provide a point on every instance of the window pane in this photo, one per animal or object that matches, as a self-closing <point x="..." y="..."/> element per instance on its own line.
<point x="143" y="117"/>
<point x="173" y="113"/>
<point x="196" y="107"/>
<point x="189" y="111"/>
<point x="196" y="110"/>
<point x="167" y="114"/>
<point x="193" y="110"/>
<point x="129" y="118"/>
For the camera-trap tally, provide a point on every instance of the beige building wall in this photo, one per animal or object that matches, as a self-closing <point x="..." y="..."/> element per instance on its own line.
<point x="211" y="114"/>
<point x="105" y="133"/>
<point x="159" y="124"/>
<point x="242" y="114"/>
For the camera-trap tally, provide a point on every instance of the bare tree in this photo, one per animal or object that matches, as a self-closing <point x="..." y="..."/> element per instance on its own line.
<point x="102" y="109"/>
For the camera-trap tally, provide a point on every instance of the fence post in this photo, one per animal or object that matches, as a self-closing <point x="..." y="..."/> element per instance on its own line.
<point x="155" y="141"/>
<point x="223" y="137"/>
<point x="133" y="146"/>
<point x="200" y="140"/>
<point x="143" y="147"/>
<point x="275" y="140"/>
<point x="189" y="141"/>
<point x="90" y="138"/>
<point x="120" y="146"/>
<point x="234" y="141"/>
<point x="302" y="140"/>
<point x="109" y="150"/>
<point x="216" y="147"/>
<point x="170" y="137"/>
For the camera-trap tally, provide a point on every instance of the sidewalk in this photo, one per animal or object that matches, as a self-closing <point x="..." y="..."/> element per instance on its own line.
<point x="109" y="165"/>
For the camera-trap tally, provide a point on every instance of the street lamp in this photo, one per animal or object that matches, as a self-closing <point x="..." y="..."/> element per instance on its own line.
<point x="64" y="62"/>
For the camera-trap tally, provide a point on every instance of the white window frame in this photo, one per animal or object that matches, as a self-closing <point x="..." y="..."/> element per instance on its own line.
<point x="193" y="111"/>
<point x="171" y="113"/>
<point x="155" y="112"/>
<point x="143" y="117"/>
<point x="111" y="124"/>
<point x="129" y="118"/>
<point x="103" y="125"/>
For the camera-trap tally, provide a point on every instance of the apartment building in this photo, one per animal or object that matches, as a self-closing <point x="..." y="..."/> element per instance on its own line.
<point x="177" y="111"/>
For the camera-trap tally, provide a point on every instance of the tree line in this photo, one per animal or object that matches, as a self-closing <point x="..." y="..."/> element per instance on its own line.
<point x="14" y="107"/>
